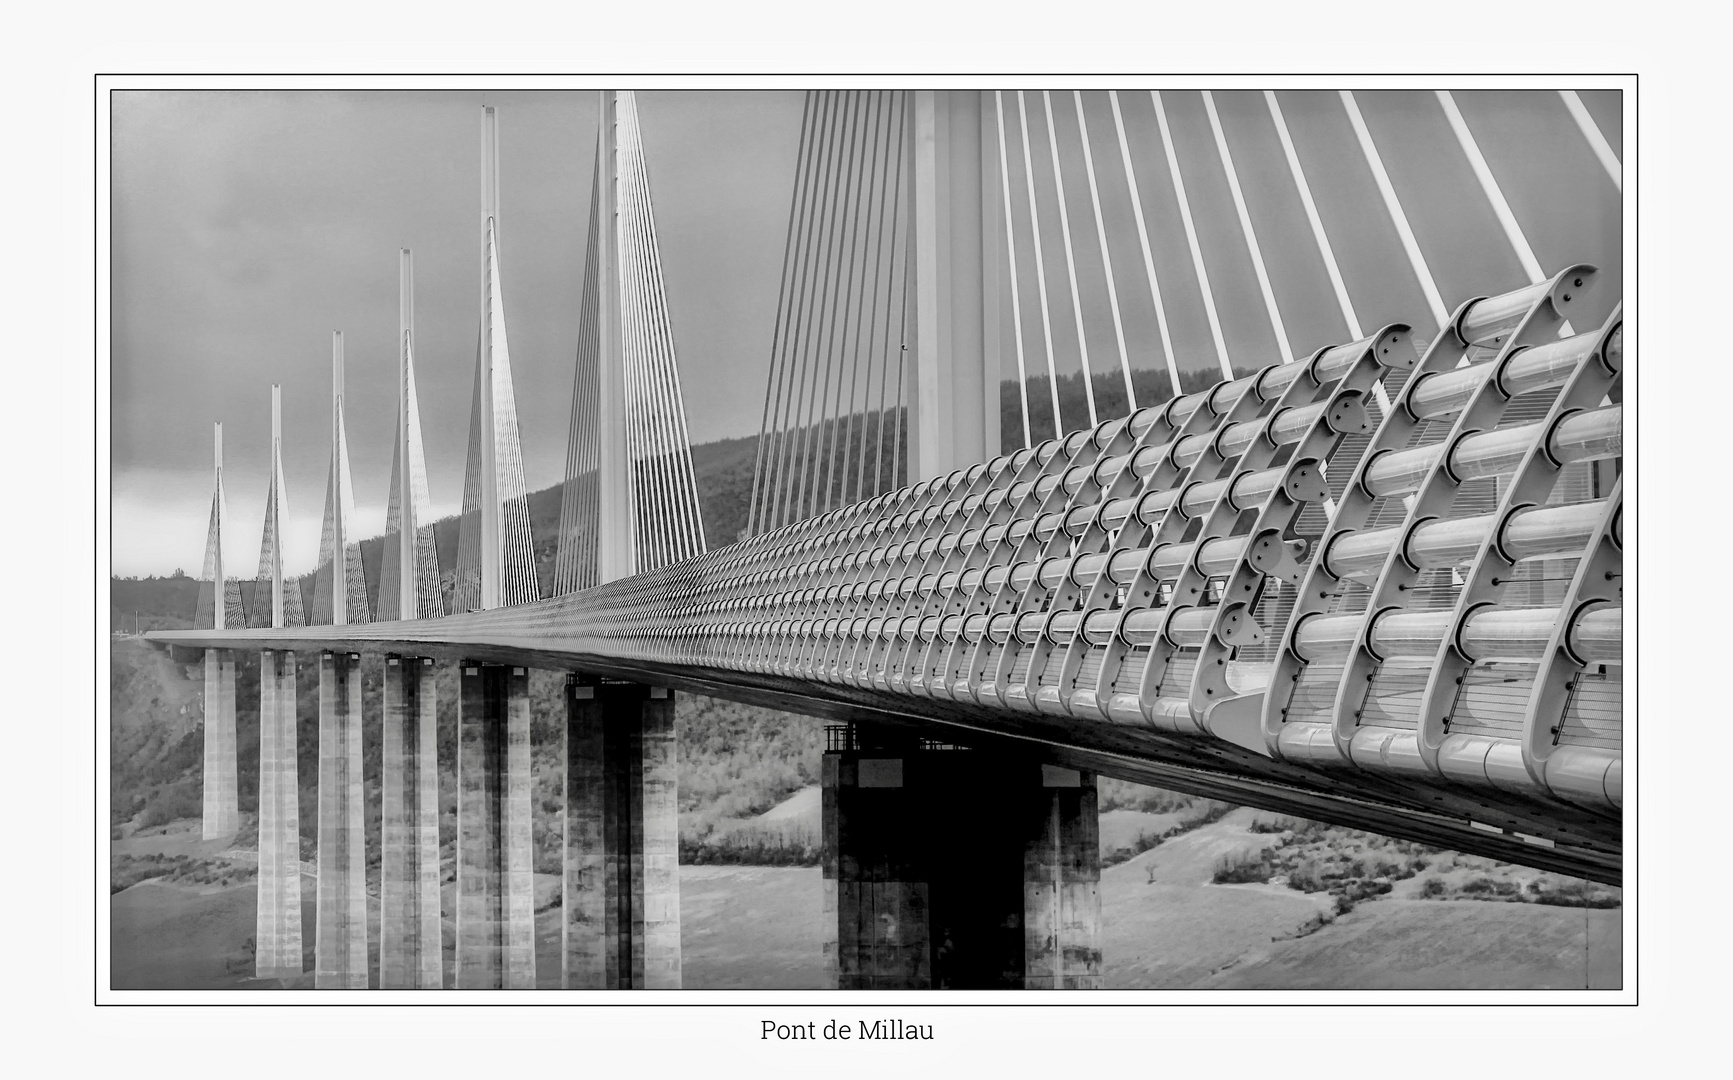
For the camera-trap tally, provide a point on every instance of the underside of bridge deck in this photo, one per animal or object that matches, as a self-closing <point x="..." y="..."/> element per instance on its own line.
<point x="1460" y="817"/>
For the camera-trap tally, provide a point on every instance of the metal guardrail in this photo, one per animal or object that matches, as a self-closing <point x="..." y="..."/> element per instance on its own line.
<point x="1163" y="570"/>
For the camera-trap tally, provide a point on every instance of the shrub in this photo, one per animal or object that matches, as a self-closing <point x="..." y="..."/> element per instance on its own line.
<point x="1144" y="842"/>
<point x="152" y="816"/>
<point x="751" y="845"/>
<point x="1207" y="811"/>
<point x="1212" y="811"/>
<point x="1308" y="877"/>
<point x="1243" y="867"/>
<point x="1434" y="889"/>
<point x="1124" y="795"/>
<point x="731" y="852"/>
<point x="1579" y="894"/>
<point x="1358" y="890"/>
<point x="1309" y="829"/>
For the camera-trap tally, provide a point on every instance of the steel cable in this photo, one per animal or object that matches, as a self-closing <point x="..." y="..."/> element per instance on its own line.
<point x="847" y="306"/>
<point x="787" y="444"/>
<point x="861" y="311"/>
<point x="1040" y="267"/>
<point x="884" y="370"/>
<point x="1106" y="255"/>
<point x="774" y="379"/>
<point x="1070" y="260"/>
<point x="801" y="413"/>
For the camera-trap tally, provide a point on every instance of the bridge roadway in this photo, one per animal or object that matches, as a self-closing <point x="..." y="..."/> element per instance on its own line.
<point x="1439" y="818"/>
<point x="1119" y="601"/>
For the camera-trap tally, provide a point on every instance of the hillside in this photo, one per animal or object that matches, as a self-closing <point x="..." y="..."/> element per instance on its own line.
<point x="723" y="471"/>
<point x="735" y="760"/>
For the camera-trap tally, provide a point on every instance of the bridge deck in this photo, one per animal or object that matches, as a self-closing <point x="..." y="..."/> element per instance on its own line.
<point x="1586" y="848"/>
<point x="1276" y="591"/>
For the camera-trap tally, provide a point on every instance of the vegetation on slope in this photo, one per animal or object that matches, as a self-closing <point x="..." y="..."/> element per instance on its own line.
<point x="734" y="760"/>
<point x="1351" y="866"/>
<point x="723" y="471"/>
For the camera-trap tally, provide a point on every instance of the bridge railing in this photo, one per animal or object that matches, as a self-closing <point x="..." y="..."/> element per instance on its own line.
<point x="1274" y="562"/>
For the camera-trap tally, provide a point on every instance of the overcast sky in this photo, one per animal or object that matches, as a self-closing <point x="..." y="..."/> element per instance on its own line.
<point x="247" y="226"/>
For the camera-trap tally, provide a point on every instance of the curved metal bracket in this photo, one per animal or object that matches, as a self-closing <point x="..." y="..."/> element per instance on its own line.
<point x="1596" y="582"/>
<point x="1528" y="485"/>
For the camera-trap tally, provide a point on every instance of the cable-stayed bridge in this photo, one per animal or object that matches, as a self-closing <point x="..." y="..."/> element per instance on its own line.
<point x="1375" y="581"/>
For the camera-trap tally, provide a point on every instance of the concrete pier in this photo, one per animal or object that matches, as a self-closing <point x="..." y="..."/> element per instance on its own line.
<point x="277" y="937"/>
<point x="409" y="932"/>
<point x="948" y="869"/>
<point x="621" y="918"/>
<point x="222" y="813"/>
<point x="340" y="942"/>
<point x="1060" y="830"/>
<point x="495" y="878"/>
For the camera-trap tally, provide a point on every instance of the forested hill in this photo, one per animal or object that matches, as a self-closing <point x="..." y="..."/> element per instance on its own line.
<point x="723" y="471"/>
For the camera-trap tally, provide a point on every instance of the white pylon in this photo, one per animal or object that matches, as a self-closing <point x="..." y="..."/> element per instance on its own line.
<point x="495" y="554"/>
<point x="409" y="571"/>
<point x="223" y="610"/>
<point x="630" y="502"/>
<point x="340" y="589"/>
<point x="276" y="598"/>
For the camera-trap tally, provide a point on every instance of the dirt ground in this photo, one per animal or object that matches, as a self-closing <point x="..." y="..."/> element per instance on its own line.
<point x="1165" y="926"/>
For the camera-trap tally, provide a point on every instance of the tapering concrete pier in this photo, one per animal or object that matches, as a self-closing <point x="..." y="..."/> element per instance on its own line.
<point x="409" y="932"/>
<point x="495" y="878"/>
<point x="621" y="924"/>
<point x="340" y="944"/>
<point x="1059" y="826"/>
<point x="277" y="937"/>
<point x="222" y="814"/>
<point x="952" y="869"/>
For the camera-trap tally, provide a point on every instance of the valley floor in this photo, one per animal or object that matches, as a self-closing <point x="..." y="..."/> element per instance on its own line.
<point x="1165" y="926"/>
